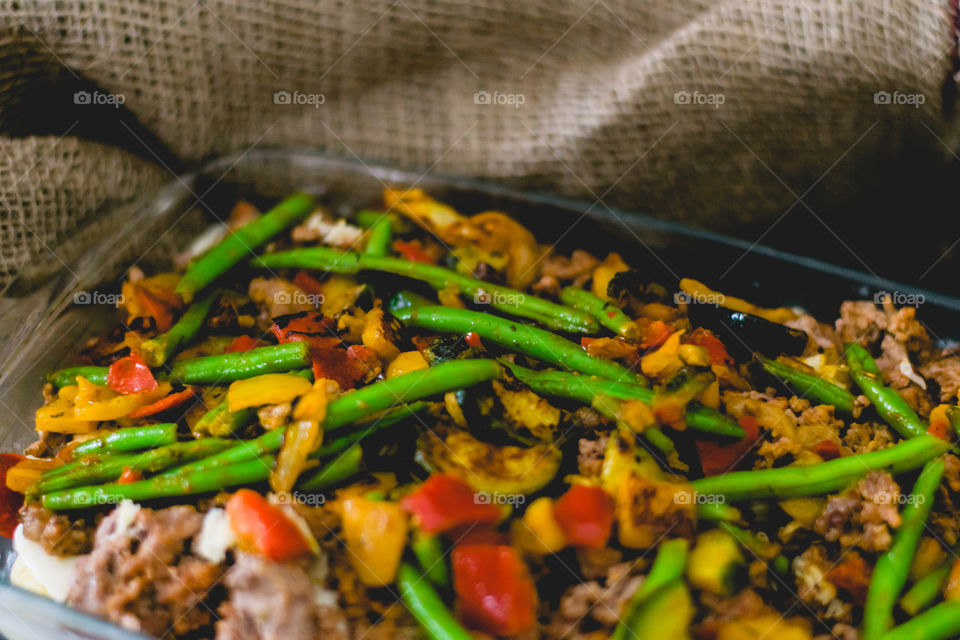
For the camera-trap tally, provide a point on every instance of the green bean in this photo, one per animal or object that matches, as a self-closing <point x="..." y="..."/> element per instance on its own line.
<point x="815" y="479"/>
<point x="385" y="420"/>
<point x="925" y="590"/>
<point x="888" y="403"/>
<point x="427" y="607"/>
<point x="68" y="376"/>
<point x="221" y="422"/>
<point x="532" y="341"/>
<point x="585" y="389"/>
<point x="229" y="367"/>
<point x="763" y="549"/>
<point x="429" y="552"/>
<point x="505" y="299"/>
<point x="667" y="567"/>
<point x="129" y="439"/>
<point x="378" y="241"/>
<point x="718" y="512"/>
<point x="938" y="623"/>
<point x="891" y="569"/>
<point x="110" y="467"/>
<point x="158" y="350"/>
<point x="339" y="469"/>
<point x="242" y="241"/>
<point x="823" y="391"/>
<point x="607" y="314"/>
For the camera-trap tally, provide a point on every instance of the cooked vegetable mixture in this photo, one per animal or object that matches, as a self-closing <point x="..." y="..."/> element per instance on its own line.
<point x="412" y="423"/>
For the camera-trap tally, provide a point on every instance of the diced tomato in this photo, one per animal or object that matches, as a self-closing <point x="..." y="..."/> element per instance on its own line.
<point x="242" y="344"/>
<point x="130" y="375"/>
<point x="716" y="458"/>
<point x="653" y="333"/>
<point x="412" y="251"/>
<point x="10" y="500"/>
<point x="264" y="528"/>
<point x="129" y="475"/>
<point x="940" y="429"/>
<point x="827" y="449"/>
<point x="164" y="404"/>
<point x="495" y="592"/>
<point x="473" y="340"/>
<point x="585" y="513"/>
<point x="445" y="501"/>
<point x="704" y="338"/>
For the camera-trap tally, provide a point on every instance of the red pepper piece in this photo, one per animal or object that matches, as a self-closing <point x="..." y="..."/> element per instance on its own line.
<point x="130" y="375"/>
<point x="585" y="514"/>
<point x="129" y="475"/>
<point x="704" y="338"/>
<point x="412" y="251"/>
<point x="495" y="592"/>
<point x="264" y="528"/>
<point x="716" y="458"/>
<point x="242" y="344"/>
<point x="164" y="404"/>
<point x="445" y="501"/>
<point x="473" y="340"/>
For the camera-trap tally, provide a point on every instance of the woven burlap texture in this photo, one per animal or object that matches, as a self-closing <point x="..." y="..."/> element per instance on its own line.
<point x="683" y="108"/>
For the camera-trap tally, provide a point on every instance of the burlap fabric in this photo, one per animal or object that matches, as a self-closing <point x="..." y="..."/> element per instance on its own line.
<point x="712" y="111"/>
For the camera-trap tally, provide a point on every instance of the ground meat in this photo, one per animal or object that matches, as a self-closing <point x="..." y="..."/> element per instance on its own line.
<point x="746" y="604"/>
<point x="819" y="594"/>
<point x="557" y="270"/>
<point x="841" y="631"/>
<point x="945" y="371"/>
<point x="590" y="455"/>
<point x="588" y="418"/>
<point x="868" y="436"/>
<point x="141" y="575"/>
<point x="862" y="516"/>
<point x="601" y="603"/>
<point x="57" y="533"/>
<point x="892" y="363"/>
<point x="595" y="563"/>
<point x="276" y="601"/>
<point x="274" y="416"/>
<point x="821" y="336"/>
<point x="907" y="330"/>
<point x="860" y="321"/>
<point x="47" y="445"/>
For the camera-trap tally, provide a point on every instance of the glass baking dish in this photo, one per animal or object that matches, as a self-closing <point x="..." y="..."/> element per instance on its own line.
<point x="60" y="303"/>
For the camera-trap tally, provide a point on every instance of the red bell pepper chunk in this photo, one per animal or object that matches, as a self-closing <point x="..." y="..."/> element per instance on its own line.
<point x="129" y="476"/>
<point x="445" y="501"/>
<point x="264" y="528"/>
<point x="242" y="344"/>
<point x="827" y="449"/>
<point x="585" y="514"/>
<point x="716" y="458"/>
<point x="308" y="283"/>
<point x="130" y="375"/>
<point x="412" y="251"/>
<point x="704" y="338"/>
<point x="473" y="340"/>
<point x="495" y="592"/>
<point x="653" y="333"/>
<point x="164" y="404"/>
<point x="585" y="341"/>
<point x="10" y="500"/>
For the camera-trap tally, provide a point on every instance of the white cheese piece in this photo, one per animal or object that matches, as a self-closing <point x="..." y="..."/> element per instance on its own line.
<point x="36" y="568"/>
<point x="216" y="536"/>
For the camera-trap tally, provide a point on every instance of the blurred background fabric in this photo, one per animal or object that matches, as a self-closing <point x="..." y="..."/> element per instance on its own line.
<point x="796" y="123"/>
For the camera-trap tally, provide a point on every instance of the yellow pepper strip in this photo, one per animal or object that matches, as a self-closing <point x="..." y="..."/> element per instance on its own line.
<point x="271" y="388"/>
<point x="538" y="532"/>
<point x="304" y="435"/>
<point x="604" y="273"/>
<point x="951" y="590"/>
<point x="421" y="208"/>
<point x="405" y="363"/>
<point x="100" y="402"/>
<point x="664" y="360"/>
<point x="25" y="473"/>
<point x="376" y="534"/>
<point x="700" y="292"/>
<point x="375" y="336"/>
<point x="58" y="416"/>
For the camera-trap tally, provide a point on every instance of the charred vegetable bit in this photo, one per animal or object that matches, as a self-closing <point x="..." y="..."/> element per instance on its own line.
<point x="888" y="403"/>
<point x="505" y="299"/>
<point x="241" y="243"/>
<point x="890" y="572"/>
<point x="810" y="386"/>
<point x="743" y="334"/>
